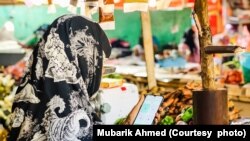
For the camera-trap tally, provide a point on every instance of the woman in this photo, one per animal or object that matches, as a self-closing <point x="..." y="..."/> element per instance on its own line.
<point x="52" y="102"/>
<point x="190" y="47"/>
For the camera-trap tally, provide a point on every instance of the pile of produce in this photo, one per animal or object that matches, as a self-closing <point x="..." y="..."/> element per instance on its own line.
<point x="177" y="105"/>
<point x="17" y="70"/>
<point x="173" y="105"/>
<point x="185" y="118"/>
<point x="231" y="73"/>
<point x="6" y="85"/>
<point x="6" y="100"/>
<point x="231" y="76"/>
<point x="9" y="76"/>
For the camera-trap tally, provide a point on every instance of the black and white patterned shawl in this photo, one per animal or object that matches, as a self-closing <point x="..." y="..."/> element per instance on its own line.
<point x="52" y="102"/>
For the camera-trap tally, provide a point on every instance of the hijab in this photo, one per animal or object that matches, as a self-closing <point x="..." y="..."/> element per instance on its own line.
<point x="64" y="71"/>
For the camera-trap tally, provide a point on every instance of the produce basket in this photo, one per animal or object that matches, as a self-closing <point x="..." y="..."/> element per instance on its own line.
<point x="176" y="108"/>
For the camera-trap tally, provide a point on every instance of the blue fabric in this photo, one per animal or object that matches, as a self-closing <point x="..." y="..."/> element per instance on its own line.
<point x="245" y="63"/>
<point x="245" y="59"/>
<point x="178" y="62"/>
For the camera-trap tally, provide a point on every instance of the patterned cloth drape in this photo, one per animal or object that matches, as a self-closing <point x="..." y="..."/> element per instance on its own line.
<point x="64" y="71"/>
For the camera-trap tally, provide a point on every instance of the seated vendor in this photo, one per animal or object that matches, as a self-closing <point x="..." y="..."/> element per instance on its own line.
<point x="138" y="50"/>
<point x="190" y="46"/>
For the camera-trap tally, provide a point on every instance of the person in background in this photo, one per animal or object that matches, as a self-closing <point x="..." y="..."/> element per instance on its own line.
<point x="120" y="48"/>
<point x="189" y="48"/>
<point x="64" y="72"/>
<point x="138" y="50"/>
<point x="244" y="36"/>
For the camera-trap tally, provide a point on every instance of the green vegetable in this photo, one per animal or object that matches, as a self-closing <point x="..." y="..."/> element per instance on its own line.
<point x="168" y="120"/>
<point x="113" y="75"/>
<point x="234" y="64"/>
<point x="120" y="121"/>
<point x="187" y="114"/>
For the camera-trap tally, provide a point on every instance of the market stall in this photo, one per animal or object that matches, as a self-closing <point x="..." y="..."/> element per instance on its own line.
<point x="175" y="85"/>
<point x="207" y="76"/>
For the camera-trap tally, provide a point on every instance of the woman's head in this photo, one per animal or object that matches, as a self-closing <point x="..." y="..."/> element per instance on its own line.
<point x="71" y="51"/>
<point x="190" y="40"/>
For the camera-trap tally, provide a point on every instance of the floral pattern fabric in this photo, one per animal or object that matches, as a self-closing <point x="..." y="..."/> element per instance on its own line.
<point x="52" y="102"/>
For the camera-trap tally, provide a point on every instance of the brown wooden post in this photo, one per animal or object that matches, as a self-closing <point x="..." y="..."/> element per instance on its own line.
<point x="205" y="39"/>
<point x="148" y="48"/>
<point x="210" y="105"/>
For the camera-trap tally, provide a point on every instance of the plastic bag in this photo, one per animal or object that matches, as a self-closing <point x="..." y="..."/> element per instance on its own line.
<point x="106" y="14"/>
